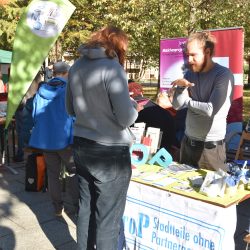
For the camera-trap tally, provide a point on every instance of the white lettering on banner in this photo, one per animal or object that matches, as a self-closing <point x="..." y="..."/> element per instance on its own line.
<point x="170" y="50"/>
<point x="143" y="221"/>
<point x="181" y="224"/>
<point x="182" y="43"/>
<point x="167" y="244"/>
<point x="168" y="228"/>
<point x="136" y="227"/>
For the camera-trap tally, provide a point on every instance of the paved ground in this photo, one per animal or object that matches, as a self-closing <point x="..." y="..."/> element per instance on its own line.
<point x="27" y="220"/>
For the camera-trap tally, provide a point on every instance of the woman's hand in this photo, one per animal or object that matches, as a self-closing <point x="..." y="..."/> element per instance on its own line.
<point x="139" y="107"/>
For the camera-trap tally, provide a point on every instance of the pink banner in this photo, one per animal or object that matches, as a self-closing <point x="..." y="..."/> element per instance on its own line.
<point x="171" y="61"/>
<point x="230" y="44"/>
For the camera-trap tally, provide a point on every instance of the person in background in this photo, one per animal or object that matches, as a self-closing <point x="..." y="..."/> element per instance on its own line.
<point x="243" y="224"/>
<point x="135" y="89"/>
<point x="98" y="96"/>
<point x="2" y="87"/>
<point x="20" y="122"/>
<point x="27" y="119"/>
<point x="206" y="92"/>
<point x="154" y="116"/>
<point x="165" y="99"/>
<point x="53" y="134"/>
<point x="48" y="72"/>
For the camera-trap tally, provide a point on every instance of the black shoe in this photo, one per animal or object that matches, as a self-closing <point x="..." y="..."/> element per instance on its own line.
<point x="18" y="158"/>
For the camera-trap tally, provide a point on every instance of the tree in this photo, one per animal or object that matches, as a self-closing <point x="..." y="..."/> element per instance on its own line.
<point x="9" y="17"/>
<point x="84" y="20"/>
<point x="145" y="21"/>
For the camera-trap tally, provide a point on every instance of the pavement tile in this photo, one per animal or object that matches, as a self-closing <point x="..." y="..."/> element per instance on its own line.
<point x="10" y="186"/>
<point x="58" y="232"/>
<point x="7" y="202"/>
<point x="8" y="227"/>
<point x="7" y="175"/>
<point x="27" y="220"/>
<point x="30" y="198"/>
<point x="10" y="202"/>
<point x="33" y="239"/>
<point x="49" y="235"/>
<point x="28" y="216"/>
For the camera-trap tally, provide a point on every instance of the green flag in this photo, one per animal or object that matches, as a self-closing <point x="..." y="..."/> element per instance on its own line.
<point x="37" y="31"/>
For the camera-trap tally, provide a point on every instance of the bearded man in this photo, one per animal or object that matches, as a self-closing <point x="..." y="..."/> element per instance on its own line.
<point x="206" y="91"/>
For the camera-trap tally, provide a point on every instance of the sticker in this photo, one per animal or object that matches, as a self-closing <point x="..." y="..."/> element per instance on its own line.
<point x="45" y="19"/>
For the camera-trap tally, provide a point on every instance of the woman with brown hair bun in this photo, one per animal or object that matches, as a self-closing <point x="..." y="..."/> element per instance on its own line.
<point x="98" y="97"/>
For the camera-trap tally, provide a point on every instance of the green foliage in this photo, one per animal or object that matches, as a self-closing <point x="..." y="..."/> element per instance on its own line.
<point x="9" y="16"/>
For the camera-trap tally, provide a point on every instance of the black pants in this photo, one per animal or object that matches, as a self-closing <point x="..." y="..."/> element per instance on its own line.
<point x="104" y="176"/>
<point x="243" y="224"/>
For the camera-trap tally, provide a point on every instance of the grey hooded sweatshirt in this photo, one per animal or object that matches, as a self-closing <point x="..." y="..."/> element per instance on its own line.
<point x="98" y="96"/>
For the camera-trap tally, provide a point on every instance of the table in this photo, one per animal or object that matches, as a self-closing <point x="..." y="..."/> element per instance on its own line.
<point x="157" y="218"/>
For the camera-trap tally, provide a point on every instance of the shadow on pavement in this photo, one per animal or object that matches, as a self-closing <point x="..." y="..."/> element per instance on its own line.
<point x="27" y="219"/>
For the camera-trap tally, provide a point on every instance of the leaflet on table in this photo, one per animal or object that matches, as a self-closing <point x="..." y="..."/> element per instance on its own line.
<point x="138" y="130"/>
<point x="180" y="183"/>
<point x="165" y="182"/>
<point x="159" y="178"/>
<point x="155" y="135"/>
<point x="138" y="133"/>
<point x="144" y="170"/>
<point x="141" y="125"/>
<point x="155" y="175"/>
<point x="176" y="167"/>
<point x="173" y="168"/>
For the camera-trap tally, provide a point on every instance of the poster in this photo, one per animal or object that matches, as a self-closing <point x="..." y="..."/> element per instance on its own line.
<point x="172" y="64"/>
